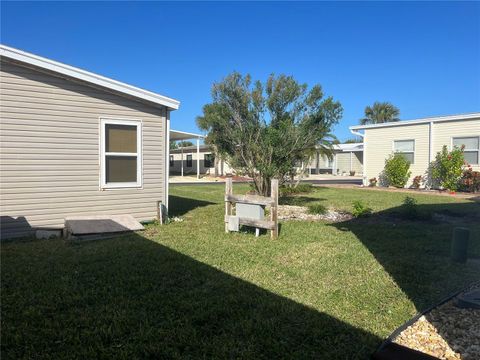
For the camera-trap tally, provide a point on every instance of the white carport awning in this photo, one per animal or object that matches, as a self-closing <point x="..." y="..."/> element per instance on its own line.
<point x="176" y="135"/>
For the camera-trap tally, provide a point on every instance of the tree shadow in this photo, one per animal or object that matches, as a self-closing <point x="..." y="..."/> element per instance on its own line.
<point x="299" y="200"/>
<point x="179" y="205"/>
<point x="130" y="297"/>
<point x="416" y="253"/>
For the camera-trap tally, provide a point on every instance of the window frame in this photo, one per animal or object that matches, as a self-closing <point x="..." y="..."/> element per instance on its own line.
<point x="469" y="150"/>
<point x="189" y="160"/>
<point x="103" y="154"/>
<point x="405" y="152"/>
<point x="210" y="162"/>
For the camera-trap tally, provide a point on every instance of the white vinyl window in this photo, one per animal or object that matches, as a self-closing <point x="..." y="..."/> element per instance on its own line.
<point x="406" y="148"/>
<point x="472" y="148"/>
<point x="121" y="153"/>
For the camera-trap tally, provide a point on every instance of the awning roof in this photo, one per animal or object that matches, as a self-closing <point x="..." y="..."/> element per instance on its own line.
<point x="176" y="135"/>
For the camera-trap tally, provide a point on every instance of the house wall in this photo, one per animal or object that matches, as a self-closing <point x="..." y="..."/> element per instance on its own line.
<point x="50" y="162"/>
<point x="378" y="143"/>
<point x="176" y="169"/>
<point x="443" y="133"/>
<point x="346" y="161"/>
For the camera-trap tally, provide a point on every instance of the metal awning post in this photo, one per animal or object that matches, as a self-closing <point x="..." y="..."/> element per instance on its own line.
<point x="198" y="158"/>
<point x="182" y="160"/>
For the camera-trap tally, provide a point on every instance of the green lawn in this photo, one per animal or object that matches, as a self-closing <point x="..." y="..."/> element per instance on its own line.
<point x="188" y="290"/>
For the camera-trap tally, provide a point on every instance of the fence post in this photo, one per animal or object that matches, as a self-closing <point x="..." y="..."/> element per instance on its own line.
<point x="274" y="208"/>
<point x="228" y="204"/>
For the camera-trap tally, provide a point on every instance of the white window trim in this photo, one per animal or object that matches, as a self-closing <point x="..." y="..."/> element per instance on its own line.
<point x="405" y="152"/>
<point x="139" y="154"/>
<point x="469" y="150"/>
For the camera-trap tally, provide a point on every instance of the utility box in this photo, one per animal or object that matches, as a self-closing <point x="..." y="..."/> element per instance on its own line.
<point x="250" y="211"/>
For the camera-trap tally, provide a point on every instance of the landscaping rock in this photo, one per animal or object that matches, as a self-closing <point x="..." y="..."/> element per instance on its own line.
<point x="291" y="212"/>
<point x="447" y="332"/>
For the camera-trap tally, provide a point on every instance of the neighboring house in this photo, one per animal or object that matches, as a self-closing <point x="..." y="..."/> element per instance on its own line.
<point x="76" y="143"/>
<point x="346" y="158"/>
<point x="183" y="161"/>
<point x="419" y="141"/>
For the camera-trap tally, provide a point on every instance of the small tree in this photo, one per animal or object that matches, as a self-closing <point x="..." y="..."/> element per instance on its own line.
<point x="447" y="168"/>
<point x="397" y="170"/>
<point x="267" y="130"/>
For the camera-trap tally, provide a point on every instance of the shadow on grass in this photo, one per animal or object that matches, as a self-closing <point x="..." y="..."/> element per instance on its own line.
<point x="299" y="200"/>
<point x="133" y="298"/>
<point x="181" y="205"/>
<point x="416" y="253"/>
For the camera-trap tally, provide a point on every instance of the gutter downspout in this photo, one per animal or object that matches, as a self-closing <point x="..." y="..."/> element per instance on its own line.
<point x="167" y="160"/>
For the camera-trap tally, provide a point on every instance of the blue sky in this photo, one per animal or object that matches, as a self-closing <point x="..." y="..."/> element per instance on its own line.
<point x="422" y="57"/>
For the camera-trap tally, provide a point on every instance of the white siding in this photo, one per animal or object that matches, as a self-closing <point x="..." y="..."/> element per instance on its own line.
<point x="50" y="151"/>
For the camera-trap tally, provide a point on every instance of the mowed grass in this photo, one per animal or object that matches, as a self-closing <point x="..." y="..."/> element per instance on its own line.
<point x="188" y="290"/>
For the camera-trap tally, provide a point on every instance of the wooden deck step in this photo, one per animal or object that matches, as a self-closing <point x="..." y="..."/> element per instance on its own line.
<point x="79" y="226"/>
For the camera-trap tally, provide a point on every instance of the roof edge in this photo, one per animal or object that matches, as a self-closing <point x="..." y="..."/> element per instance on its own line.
<point x="89" y="77"/>
<point x="468" y="116"/>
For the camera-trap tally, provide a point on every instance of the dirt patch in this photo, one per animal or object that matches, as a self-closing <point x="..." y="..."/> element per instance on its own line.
<point x="292" y="212"/>
<point x="446" y="332"/>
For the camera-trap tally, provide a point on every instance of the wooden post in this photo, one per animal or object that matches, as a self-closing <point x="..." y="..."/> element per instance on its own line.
<point x="274" y="208"/>
<point x="159" y="212"/>
<point x="228" y="204"/>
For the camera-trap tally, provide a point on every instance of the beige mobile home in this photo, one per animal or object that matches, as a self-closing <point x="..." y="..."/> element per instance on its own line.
<point x="346" y="158"/>
<point x="76" y="143"/>
<point x="419" y="140"/>
<point x="197" y="160"/>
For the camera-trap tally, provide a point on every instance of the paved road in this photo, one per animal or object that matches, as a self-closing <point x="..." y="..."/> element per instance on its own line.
<point x="318" y="181"/>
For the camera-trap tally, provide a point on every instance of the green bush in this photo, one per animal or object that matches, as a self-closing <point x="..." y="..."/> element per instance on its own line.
<point x="360" y="209"/>
<point x="447" y="168"/>
<point x="410" y="208"/>
<point x="299" y="189"/>
<point x="397" y="170"/>
<point x="317" y="209"/>
<point x="470" y="180"/>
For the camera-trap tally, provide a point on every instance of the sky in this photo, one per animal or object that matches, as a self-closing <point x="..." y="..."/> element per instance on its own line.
<point x="422" y="57"/>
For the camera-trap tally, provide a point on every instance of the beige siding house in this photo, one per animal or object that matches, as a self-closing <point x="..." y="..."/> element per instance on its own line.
<point x="419" y="140"/>
<point x="76" y="143"/>
<point x="183" y="161"/>
<point x="346" y="158"/>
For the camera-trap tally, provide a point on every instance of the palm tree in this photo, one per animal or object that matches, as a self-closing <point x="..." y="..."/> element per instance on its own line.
<point x="380" y="112"/>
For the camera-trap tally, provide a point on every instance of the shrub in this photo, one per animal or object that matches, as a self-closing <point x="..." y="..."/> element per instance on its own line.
<point x="470" y="180"/>
<point x="360" y="209"/>
<point x="352" y="172"/>
<point x="417" y="181"/>
<point x="410" y="208"/>
<point x="299" y="189"/>
<point x="317" y="209"/>
<point x="447" y="168"/>
<point x="397" y="170"/>
<point x="372" y="182"/>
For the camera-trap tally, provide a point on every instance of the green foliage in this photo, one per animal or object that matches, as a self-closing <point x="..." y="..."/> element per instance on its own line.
<point x="360" y="209"/>
<point x="380" y="112"/>
<point x="397" y="170"/>
<point x="447" y="168"/>
<point x="286" y="190"/>
<point x="265" y="130"/>
<point x="317" y="209"/>
<point x="354" y="140"/>
<point x="410" y="208"/>
<point x="470" y="180"/>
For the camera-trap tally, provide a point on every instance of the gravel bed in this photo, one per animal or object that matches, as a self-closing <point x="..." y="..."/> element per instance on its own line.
<point x="446" y="332"/>
<point x="291" y="212"/>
